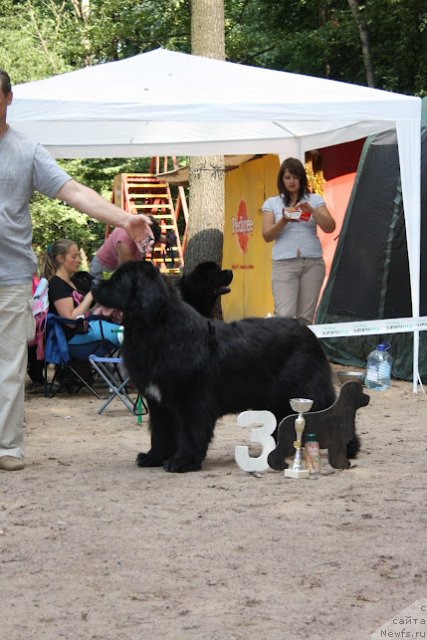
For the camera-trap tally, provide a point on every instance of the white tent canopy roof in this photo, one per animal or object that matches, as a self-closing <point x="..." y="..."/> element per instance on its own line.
<point x="168" y="103"/>
<point x="163" y="102"/>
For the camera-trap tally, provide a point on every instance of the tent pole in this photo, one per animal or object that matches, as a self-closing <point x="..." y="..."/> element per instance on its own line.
<point x="416" y="374"/>
<point x="409" y="148"/>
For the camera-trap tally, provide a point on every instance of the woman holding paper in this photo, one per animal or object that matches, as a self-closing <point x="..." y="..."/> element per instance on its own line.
<point x="290" y="220"/>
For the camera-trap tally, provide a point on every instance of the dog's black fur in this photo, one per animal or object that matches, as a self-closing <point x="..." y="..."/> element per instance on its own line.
<point x="83" y="281"/>
<point x="203" y="285"/>
<point x="193" y="370"/>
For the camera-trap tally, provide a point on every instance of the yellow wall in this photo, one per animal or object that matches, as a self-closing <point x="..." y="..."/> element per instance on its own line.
<point x="245" y="251"/>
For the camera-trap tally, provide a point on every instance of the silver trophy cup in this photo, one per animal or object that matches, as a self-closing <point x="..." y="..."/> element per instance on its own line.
<point x="301" y="406"/>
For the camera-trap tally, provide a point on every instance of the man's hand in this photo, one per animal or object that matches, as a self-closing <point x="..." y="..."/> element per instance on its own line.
<point x="139" y="229"/>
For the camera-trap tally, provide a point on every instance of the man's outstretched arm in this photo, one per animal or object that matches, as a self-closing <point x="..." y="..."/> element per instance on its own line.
<point x="90" y="202"/>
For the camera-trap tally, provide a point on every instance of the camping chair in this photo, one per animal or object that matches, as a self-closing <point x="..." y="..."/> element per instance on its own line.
<point x="40" y="307"/>
<point x="109" y="369"/>
<point x="68" y="358"/>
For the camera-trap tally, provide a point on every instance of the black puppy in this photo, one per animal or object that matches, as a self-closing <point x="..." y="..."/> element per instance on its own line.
<point x="193" y="370"/>
<point x="83" y="281"/>
<point x="203" y="285"/>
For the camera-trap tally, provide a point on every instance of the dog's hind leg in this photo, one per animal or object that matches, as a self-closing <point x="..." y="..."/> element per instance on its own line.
<point x="163" y="436"/>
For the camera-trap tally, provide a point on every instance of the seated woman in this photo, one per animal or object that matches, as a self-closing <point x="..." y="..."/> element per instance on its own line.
<point x="61" y="261"/>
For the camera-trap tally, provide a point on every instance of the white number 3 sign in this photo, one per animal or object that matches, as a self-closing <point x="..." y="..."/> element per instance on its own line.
<point x="265" y="423"/>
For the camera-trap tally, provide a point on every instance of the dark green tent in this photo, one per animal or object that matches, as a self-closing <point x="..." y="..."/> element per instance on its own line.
<point x="369" y="277"/>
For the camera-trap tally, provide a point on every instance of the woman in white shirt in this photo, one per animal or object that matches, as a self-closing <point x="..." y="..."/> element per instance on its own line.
<point x="290" y="219"/>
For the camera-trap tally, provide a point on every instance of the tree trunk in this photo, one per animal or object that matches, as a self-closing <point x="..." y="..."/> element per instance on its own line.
<point x="364" y="39"/>
<point x="206" y="214"/>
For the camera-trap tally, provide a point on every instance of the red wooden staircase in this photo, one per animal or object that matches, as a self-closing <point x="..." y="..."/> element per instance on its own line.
<point x="150" y="194"/>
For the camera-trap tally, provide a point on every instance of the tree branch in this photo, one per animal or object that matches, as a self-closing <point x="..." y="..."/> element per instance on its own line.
<point x="39" y="35"/>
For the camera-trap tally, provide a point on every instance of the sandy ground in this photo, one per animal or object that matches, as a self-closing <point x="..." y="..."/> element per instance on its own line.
<point x="93" y="547"/>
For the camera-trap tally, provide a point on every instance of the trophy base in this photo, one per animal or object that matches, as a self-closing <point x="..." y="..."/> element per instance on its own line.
<point x="297" y="473"/>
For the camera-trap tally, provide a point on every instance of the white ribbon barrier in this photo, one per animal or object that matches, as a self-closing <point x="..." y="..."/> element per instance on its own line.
<point x="369" y="327"/>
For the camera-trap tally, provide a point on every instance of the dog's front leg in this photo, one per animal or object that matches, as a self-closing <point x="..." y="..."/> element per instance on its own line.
<point x="163" y="436"/>
<point x="195" y="430"/>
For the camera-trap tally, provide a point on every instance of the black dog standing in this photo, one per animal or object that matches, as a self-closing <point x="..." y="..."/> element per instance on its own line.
<point x="193" y="370"/>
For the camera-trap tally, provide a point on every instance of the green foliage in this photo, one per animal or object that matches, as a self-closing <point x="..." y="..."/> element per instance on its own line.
<point x="53" y="220"/>
<point x="317" y="37"/>
<point x="98" y="173"/>
<point x="122" y="28"/>
<point x="301" y="36"/>
<point x="399" y="44"/>
<point x="33" y="42"/>
<point x="320" y="38"/>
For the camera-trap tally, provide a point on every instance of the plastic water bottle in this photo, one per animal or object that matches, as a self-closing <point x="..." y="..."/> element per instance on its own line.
<point x="312" y="454"/>
<point x="378" y="369"/>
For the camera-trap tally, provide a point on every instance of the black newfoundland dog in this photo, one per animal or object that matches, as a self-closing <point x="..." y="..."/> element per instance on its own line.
<point x="204" y="285"/>
<point x="192" y="370"/>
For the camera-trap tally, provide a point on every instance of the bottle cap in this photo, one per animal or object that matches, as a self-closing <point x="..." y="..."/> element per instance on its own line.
<point x="311" y="437"/>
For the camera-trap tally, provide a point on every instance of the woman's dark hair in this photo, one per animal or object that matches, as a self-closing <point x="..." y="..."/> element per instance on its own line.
<point x="5" y="83"/>
<point x="296" y="168"/>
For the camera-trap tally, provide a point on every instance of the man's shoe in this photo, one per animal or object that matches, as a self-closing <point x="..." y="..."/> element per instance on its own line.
<point x="11" y="463"/>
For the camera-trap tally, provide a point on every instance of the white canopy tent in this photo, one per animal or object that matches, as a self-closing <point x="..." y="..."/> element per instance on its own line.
<point x="168" y="103"/>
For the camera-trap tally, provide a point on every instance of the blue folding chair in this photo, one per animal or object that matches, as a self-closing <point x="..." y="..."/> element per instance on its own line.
<point x="109" y="369"/>
<point x="67" y="357"/>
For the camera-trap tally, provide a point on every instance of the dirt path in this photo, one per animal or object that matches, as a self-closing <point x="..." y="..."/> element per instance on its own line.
<point x="93" y="547"/>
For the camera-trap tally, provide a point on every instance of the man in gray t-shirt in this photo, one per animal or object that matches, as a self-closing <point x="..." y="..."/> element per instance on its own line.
<point x="25" y="166"/>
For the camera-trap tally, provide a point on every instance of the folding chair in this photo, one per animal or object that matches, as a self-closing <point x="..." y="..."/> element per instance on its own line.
<point x="108" y="369"/>
<point x="64" y="356"/>
<point x="40" y="307"/>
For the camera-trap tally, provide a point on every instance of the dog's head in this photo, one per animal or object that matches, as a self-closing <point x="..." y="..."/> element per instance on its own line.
<point x="83" y="281"/>
<point x="202" y="286"/>
<point x="351" y="399"/>
<point x="137" y="289"/>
